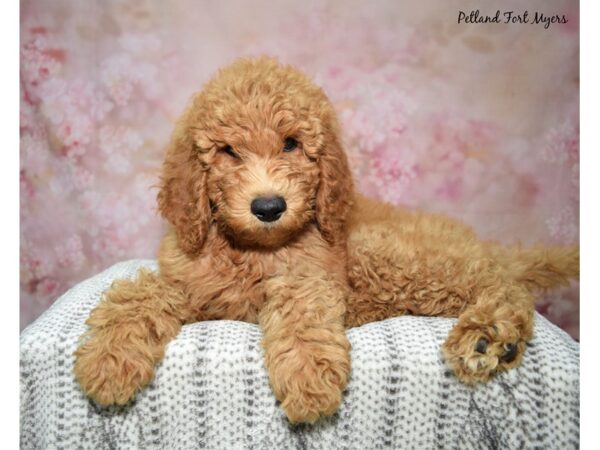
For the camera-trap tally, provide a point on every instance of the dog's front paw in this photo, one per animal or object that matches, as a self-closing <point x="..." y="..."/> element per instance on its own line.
<point x="477" y="353"/>
<point x="310" y="387"/>
<point x="310" y="394"/>
<point x="111" y="374"/>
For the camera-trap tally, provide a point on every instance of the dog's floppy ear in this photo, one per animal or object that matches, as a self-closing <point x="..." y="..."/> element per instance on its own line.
<point x="334" y="195"/>
<point x="183" y="198"/>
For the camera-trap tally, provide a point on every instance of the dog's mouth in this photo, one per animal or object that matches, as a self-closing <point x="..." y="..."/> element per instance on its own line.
<point x="261" y="234"/>
<point x="265" y="235"/>
<point x="266" y="221"/>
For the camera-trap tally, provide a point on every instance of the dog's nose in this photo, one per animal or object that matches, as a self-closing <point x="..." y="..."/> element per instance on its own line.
<point x="268" y="209"/>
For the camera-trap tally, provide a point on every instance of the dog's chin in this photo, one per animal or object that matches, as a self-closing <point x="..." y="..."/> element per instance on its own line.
<point x="259" y="235"/>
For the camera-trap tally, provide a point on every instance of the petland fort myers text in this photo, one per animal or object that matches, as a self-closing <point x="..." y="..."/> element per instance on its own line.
<point x="512" y="17"/>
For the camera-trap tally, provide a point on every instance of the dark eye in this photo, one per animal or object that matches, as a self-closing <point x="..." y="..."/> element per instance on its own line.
<point x="289" y="144"/>
<point x="227" y="149"/>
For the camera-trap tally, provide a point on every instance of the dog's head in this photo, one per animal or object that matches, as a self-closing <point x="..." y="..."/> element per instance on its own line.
<point x="257" y="153"/>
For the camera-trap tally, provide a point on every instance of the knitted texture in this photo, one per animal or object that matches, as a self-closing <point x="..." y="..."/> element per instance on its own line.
<point x="211" y="390"/>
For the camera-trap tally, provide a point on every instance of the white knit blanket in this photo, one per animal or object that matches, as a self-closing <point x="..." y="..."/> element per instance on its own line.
<point x="211" y="391"/>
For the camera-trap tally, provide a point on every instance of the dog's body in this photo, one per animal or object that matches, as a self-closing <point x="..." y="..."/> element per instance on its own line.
<point x="268" y="229"/>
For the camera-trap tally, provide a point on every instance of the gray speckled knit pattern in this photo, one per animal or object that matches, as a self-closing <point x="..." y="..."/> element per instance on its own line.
<point x="211" y="391"/>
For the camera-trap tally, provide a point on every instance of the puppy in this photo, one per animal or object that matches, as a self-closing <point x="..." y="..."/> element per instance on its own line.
<point x="267" y="229"/>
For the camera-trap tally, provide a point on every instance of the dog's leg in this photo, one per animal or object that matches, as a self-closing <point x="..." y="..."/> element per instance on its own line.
<point x="129" y="330"/>
<point x="491" y="334"/>
<point x="394" y="271"/>
<point x="306" y="349"/>
<point x="495" y="312"/>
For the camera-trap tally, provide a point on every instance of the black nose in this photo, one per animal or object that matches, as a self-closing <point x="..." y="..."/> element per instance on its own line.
<point x="268" y="209"/>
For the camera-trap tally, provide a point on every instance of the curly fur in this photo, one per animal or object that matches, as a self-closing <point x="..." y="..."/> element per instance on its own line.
<point x="333" y="260"/>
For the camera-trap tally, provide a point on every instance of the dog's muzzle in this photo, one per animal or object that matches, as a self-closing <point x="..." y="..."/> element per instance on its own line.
<point x="268" y="209"/>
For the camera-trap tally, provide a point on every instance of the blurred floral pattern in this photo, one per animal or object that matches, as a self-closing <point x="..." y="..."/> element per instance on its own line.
<point x="479" y="121"/>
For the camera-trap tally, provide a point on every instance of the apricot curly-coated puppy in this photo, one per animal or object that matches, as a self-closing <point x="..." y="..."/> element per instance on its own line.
<point x="266" y="228"/>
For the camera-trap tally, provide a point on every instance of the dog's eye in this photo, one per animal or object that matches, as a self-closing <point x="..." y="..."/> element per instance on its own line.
<point x="227" y="149"/>
<point x="290" y="144"/>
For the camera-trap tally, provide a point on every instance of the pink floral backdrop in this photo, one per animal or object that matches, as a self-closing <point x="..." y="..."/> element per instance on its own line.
<point x="479" y="121"/>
